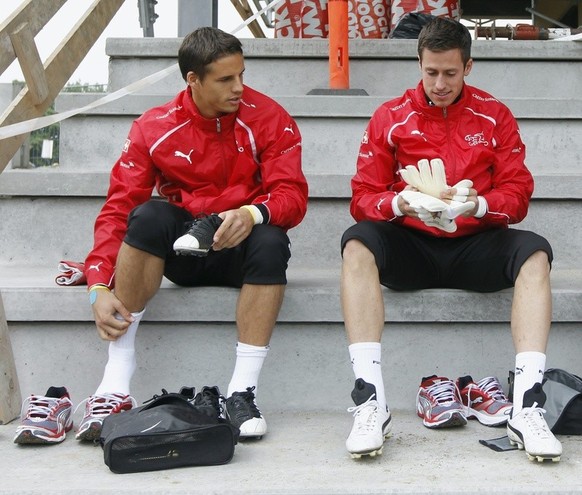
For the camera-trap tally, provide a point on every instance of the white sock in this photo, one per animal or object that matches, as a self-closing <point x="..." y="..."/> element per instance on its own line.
<point x="366" y="360"/>
<point x="121" y="363"/>
<point x="249" y="361"/>
<point x="529" y="369"/>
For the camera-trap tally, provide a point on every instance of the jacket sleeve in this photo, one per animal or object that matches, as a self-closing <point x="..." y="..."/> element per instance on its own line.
<point x="511" y="182"/>
<point x="284" y="184"/>
<point x="131" y="183"/>
<point x="372" y="184"/>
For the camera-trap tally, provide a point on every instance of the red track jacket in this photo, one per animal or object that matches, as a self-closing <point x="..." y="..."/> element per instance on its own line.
<point x="204" y="166"/>
<point x="477" y="138"/>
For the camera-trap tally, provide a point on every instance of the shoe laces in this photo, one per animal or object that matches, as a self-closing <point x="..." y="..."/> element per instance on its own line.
<point x="204" y="228"/>
<point x="491" y="386"/>
<point x="366" y="414"/>
<point x="207" y="398"/>
<point x="243" y="403"/>
<point x="38" y="407"/>
<point x="104" y="404"/>
<point x="443" y="392"/>
<point x="534" y="418"/>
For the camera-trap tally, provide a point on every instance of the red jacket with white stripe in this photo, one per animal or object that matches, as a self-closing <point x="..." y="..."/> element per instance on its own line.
<point x="205" y="166"/>
<point x="477" y="138"/>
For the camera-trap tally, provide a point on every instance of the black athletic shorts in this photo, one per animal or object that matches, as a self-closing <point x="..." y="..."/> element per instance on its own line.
<point x="261" y="259"/>
<point x="411" y="260"/>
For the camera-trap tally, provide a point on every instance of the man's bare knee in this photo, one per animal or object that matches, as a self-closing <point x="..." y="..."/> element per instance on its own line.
<point x="357" y="252"/>
<point x="536" y="266"/>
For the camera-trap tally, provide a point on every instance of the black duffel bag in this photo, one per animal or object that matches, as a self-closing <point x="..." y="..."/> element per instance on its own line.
<point x="168" y="431"/>
<point x="563" y="404"/>
<point x="563" y="401"/>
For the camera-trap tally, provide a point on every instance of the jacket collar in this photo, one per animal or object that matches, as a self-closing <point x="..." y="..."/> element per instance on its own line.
<point x="223" y="123"/>
<point x="430" y="110"/>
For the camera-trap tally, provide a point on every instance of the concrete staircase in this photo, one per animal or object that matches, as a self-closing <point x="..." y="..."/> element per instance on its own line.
<point x="188" y="335"/>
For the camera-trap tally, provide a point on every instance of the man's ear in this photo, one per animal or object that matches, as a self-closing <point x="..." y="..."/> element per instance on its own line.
<point x="192" y="79"/>
<point x="468" y="67"/>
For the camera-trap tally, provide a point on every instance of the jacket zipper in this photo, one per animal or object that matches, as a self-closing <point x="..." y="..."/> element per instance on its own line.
<point x="453" y="166"/>
<point x="224" y="167"/>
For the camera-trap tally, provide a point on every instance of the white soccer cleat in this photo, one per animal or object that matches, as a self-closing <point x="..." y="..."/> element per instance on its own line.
<point x="529" y="430"/>
<point x="372" y="424"/>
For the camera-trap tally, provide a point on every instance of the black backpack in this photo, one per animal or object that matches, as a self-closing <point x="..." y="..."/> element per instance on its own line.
<point x="168" y="431"/>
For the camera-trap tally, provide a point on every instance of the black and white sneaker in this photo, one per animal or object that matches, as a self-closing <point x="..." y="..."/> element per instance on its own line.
<point x="198" y="240"/>
<point x="530" y="432"/>
<point x="209" y="400"/>
<point x="243" y="413"/>
<point x="372" y="424"/>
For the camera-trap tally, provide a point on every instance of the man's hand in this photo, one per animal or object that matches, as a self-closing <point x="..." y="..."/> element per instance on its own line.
<point x="235" y="228"/>
<point x="432" y="211"/>
<point x="105" y="308"/>
<point x="459" y="192"/>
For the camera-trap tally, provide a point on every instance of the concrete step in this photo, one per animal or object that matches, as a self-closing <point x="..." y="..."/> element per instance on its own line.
<point x="59" y="207"/>
<point x="187" y="335"/>
<point x="331" y="127"/>
<point x="304" y="453"/>
<point x="381" y="67"/>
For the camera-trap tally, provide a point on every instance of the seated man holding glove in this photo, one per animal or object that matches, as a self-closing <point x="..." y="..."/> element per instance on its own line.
<point x="440" y="177"/>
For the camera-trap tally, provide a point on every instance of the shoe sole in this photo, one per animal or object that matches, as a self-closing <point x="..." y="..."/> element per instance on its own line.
<point x="91" y="434"/>
<point x="374" y="452"/>
<point x="486" y="419"/>
<point x="28" y="438"/>
<point x="455" y="419"/>
<point x="191" y="252"/>
<point x="535" y="457"/>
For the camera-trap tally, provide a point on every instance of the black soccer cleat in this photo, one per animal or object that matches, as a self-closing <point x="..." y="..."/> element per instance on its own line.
<point x="198" y="240"/>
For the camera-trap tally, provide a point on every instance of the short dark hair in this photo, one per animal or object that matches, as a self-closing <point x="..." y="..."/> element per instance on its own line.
<point x="442" y="34"/>
<point x="202" y="47"/>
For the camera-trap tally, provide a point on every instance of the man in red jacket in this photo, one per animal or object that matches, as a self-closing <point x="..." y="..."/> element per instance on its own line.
<point x="440" y="176"/>
<point x="226" y="162"/>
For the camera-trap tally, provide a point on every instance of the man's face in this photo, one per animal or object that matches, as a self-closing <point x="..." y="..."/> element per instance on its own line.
<point x="443" y="75"/>
<point x="221" y="89"/>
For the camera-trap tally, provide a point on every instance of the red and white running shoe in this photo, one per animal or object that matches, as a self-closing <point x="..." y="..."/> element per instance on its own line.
<point x="97" y="408"/>
<point x="48" y="418"/>
<point x="438" y="403"/>
<point x="484" y="400"/>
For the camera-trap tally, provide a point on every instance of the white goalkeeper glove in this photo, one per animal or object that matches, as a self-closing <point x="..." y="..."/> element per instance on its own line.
<point x="427" y="178"/>
<point x="435" y="212"/>
<point x="430" y="178"/>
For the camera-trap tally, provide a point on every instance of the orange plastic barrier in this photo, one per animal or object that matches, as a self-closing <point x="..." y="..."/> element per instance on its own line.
<point x="339" y="57"/>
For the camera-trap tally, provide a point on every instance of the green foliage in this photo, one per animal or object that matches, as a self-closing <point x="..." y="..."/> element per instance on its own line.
<point x="51" y="132"/>
<point x="80" y="87"/>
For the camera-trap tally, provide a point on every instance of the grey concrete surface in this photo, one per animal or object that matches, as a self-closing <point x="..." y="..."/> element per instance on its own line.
<point x="381" y="67"/>
<point x="304" y="453"/>
<point x="549" y="126"/>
